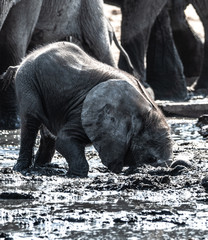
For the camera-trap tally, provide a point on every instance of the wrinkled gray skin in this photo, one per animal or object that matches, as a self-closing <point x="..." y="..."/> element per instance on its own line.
<point x="189" y="45"/>
<point x="164" y="71"/>
<point x="201" y="7"/>
<point x="146" y="27"/>
<point x="15" y="35"/>
<point x="29" y="24"/>
<point x="52" y="20"/>
<point x="82" y="101"/>
<point x="137" y="20"/>
<point x="82" y="20"/>
<point x="5" y="6"/>
<point x="16" y="32"/>
<point x="138" y="17"/>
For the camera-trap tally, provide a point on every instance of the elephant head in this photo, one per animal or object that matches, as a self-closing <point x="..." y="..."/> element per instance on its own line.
<point x="125" y="127"/>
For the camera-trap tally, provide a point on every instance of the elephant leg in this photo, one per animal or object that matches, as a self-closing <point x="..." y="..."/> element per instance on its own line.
<point x="188" y="44"/>
<point x="73" y="150"/>
<point x="164" y="67"/>
<point x="14" y="37"/>
<point x="137" y="20"/>
<point x="95" y="31"/>
<point x="17" y="31"/>
<point x="5" y="7"/>
<point x="203" y="79"/>
<point x="29" y="131"/>
<point x="8" y="107"/>
<point x="201" y="7"/>
<point x="46" y="148"/>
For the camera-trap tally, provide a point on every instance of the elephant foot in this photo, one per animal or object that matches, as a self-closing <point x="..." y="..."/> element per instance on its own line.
<point x="77" y="175"/>
<point x="199" y="89"/>
<point x="190" y="81"/>
<point x="46" y="165"/>
<point x="200" y="84"/>
<point x="21" y="166"/>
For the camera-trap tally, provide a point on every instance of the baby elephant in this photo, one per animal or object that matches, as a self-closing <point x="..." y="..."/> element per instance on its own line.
<point x="79" y="100"/>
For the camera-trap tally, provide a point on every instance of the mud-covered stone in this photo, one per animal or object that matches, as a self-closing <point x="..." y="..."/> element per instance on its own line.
<point x="202" y="120"/>
<point x="180" y="162"/>
<point x="204" y="131"/>
<point x="204" y="183"/>
<point x="177" y="170"/>
<point x="202" y="123"/>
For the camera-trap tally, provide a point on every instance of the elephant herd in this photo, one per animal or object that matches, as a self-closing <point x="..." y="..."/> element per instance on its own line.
<point x="154" y="33"/>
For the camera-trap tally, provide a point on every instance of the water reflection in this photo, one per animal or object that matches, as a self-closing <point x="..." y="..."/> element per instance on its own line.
<point x="184" y="130"/>
<point x="9" y="137"/>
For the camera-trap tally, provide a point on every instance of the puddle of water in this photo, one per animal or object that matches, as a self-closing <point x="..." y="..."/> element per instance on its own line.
<point x="91" y="208"/>
<point x="184" y="130"/>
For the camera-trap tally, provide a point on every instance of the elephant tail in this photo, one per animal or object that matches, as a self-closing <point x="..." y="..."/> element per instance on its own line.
<point x="8" y="77"/>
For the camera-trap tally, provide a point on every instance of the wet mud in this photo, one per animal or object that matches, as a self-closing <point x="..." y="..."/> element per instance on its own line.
<point x="142" y="203"/>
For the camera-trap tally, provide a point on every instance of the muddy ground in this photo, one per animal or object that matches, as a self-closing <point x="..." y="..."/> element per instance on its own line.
<point x="149" y="203"/>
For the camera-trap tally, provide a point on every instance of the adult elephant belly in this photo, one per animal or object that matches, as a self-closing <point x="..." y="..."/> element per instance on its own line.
<point x="58" y="19"/>
<point x="83" y="20"/>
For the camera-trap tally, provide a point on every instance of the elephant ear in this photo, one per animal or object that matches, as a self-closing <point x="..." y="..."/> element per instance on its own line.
<point x="109" y="117"/>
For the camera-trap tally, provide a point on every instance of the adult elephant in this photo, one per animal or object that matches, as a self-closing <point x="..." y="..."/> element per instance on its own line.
<point x="164" y="70"/>
<point x="5" y="6"/>
<point x="138" y="18"/>
<point x="82" y="20"/>
<point x="201" y="7"/>
<point x="18" y="20"/>
<point x="189" y="45"/>
<point x="147" y="23"/>
<point x="44" y="21"/>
